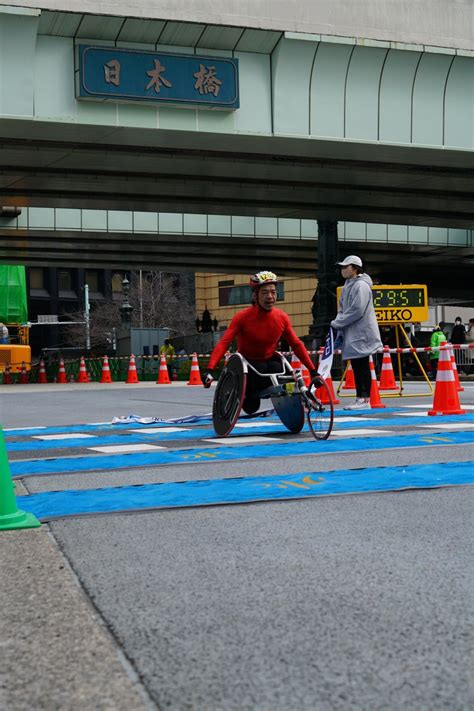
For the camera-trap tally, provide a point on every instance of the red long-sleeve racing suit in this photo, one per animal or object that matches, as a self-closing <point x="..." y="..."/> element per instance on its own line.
<point x="258" y="332"/>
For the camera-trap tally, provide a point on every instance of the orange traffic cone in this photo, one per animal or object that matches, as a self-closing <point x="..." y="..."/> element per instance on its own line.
<point x="321" y="393"/>
<point x="349" y="382"/>
<point x="23" y="374"/>
<point x="387" y="376"/>
<point x="42" y="373"/>
<point x="7" y="376"/>
<point x="295" y="362"/>
<point x="459" y="387"/>
<point x="175" y="374"/>
<point x="132" y="375"/>
<point x="82" y="376"/>
<point x="446" y="398"/>
<point x="71" y="379"/>
<point x="163" y="375"/>
<point x="195" y="374"/>
<point x="61" y="372"/>
<point x="105" y="377"/>
<point x="375" y="400"/>
<point x="306" y="375"/>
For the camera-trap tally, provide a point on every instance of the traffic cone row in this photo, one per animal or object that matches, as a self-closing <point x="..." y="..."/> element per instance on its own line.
<point x="195" y="374"/>
<point x="446" y="398"/>
<point x="387" y="376"/>
<point x="163" y="375"/>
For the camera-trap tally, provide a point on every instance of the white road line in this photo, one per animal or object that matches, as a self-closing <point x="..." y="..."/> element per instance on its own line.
<point x="355" y="432"/>
<point x="158" y="430"/>
<point x="450" y="426"/>
<point x="250" y="425"/>
<point x="123" y="448"/>
<point x="72" y="435"/>
<point x="243" y="440"/>
<point x="20" y="429"/>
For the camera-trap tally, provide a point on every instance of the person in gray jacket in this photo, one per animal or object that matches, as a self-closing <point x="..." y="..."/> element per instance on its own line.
<point x="356" y="324"/>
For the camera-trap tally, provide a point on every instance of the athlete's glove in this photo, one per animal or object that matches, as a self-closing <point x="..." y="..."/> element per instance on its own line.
<point x="207" y="378"/>
<point x="313" y="373"/>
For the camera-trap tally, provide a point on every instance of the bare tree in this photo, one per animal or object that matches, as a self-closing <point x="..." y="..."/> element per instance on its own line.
<point x="159" y="300"/>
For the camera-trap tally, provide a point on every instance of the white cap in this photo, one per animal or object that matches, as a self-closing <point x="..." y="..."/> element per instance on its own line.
<point x="351" y="259"/>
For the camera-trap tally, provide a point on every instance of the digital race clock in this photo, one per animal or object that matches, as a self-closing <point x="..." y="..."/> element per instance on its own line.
<point x="399" y="303"/>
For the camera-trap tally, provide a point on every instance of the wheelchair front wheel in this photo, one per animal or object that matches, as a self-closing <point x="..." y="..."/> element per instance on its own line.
<point x="319" y="409"/>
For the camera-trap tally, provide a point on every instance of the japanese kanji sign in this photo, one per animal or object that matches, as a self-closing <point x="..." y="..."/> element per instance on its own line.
<point x="113" y="74"/>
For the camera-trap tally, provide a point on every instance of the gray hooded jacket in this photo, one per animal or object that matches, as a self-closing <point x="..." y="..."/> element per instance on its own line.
<point x="356" y="319"/>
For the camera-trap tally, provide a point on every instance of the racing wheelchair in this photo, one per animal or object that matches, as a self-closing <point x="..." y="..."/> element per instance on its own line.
<point x="291" y="398"/>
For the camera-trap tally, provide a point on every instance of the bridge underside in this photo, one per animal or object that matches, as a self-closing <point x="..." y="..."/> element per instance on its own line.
<point x="104" y="167"/>
<point x="447" y="270"/>
<point x="46" y="164"/>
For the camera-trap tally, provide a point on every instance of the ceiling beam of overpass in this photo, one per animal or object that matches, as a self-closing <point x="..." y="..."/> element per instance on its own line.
<point x="238" y="175"/>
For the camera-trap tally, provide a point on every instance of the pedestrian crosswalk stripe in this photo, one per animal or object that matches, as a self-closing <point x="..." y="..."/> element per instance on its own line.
<point x="125" y="448"/>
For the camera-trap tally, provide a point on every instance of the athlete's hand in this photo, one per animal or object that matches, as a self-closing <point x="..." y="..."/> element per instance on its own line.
<point x="207" y="378"/>
<point x="313" y="373"/>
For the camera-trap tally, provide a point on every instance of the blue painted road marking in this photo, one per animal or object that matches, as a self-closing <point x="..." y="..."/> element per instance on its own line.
<point x="57" y="504"/>
<point x="233" y="452"/>
<point x="200" y="432"/>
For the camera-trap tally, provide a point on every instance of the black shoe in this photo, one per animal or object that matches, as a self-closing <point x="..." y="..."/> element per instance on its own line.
<point x="251" y="405"/>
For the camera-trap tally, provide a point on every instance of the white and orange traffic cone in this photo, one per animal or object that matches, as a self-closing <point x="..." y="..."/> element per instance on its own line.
<point x="82" y="375"/>
<point x="132" y="375"/>
<point x="195" y="373"/>
<point x="163" y="375"/>
<point x="446" y="398"/>
<point x="349" y="381"/>
<point x="375" y="401"/>
<point x="42" y="373"/>
<point x="61" y="372"/>
<point x="306" y="375"/>
<point x="23" y="374"/>
<point x="106" y="376"/>
<point x="459" y="387"/>
<point x="295" y="362"/>
<point x="387" y="376"/>
<point x="7" y="376"/>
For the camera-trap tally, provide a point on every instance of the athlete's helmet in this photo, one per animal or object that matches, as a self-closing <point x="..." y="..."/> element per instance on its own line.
<point x="261" y="278"/>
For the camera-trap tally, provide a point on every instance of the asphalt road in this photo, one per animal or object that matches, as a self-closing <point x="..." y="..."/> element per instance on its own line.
<point x="341" y="602"/>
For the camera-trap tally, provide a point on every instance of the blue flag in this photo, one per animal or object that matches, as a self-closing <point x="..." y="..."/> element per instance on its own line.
<point x="325" y="362"/>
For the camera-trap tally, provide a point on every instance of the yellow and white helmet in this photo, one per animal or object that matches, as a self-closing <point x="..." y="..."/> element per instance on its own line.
<point x="261" y="278"/>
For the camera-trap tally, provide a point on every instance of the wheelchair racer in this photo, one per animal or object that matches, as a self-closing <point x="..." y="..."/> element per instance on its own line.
<point x="258" y="329"/>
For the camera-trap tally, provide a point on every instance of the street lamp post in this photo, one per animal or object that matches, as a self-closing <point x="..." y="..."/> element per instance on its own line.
<point x="126" y="308"/>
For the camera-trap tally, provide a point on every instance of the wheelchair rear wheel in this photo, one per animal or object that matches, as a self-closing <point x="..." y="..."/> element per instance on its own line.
<point x="229" y="395"/>
<point x="319" y="409"/>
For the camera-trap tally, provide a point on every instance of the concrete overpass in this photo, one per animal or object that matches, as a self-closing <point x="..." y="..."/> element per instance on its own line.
<point x="367" y="121"/>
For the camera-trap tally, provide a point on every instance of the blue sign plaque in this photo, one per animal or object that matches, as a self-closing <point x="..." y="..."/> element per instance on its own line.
<point x="112" y="74"/>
